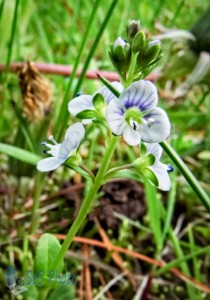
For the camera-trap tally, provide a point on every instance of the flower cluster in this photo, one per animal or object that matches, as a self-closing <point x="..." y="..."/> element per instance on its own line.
<point x="128" y="110"/>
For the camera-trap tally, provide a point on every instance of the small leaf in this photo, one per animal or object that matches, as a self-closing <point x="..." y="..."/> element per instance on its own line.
<point x="46" y="252"/>
<point x="98" y="102"/>
<point x="65" y="292"/>
<point x="31" y="293"/>
<point x="20" y="154"/>
<point x="87" y="114"/>
<point x="150" y="176"/>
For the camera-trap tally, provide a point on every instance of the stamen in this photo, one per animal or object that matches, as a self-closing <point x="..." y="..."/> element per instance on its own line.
<point x="149" y="122"/>
<point x="45" y="151"/>
<point x="134" y="124"/>
<point x="170" y="168"/>
<point x="43" y="143"/>
<point x="51" y="138"/>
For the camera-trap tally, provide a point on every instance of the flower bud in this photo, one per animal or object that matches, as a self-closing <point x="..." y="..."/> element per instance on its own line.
<point x="120" y="55"/>
<point x="150" y="55"/>
<point x="133" y="28"/>
<point x="138" y="41"/>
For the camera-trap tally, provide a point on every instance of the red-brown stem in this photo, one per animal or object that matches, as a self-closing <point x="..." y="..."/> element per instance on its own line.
<point x="64" y="70"/>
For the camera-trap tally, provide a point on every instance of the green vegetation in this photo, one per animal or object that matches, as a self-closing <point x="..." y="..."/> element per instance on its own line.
<point x="130" y="240"/>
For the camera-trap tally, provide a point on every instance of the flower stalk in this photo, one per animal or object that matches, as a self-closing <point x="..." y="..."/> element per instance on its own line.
<point x="87" y="203"/>
<point x="187" y="174"/>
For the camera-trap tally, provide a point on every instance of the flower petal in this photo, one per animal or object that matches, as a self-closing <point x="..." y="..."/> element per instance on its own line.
<point x="155" y="149"/>
<point x="108" y="95"/>
<point x="48" y="164"/>
<point x="115" y="117"/>
<point x="160" y="171"/>
<point x="142" y="94"/>
<point x="159" y="130"/>
<point x="79" y="104"/>
<point x="73" y="138"/>
<point x="131" y="136"/>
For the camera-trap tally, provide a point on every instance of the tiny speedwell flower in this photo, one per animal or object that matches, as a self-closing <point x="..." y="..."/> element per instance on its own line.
<point x="159" y="169"/>
<point x="61" y="152"/>
<point x="135" y="115"/>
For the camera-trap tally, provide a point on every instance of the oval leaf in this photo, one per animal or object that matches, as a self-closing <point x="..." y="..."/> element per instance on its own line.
<point x="87" y="114"/>
<point x="46" y="252"/>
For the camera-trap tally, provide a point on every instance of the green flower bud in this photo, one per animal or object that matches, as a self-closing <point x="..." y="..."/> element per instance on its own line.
<point x="120" y="55"/>
<point x="148" y="56"/>
<point x="133" y="28"/>
<point x="138" y="42"/>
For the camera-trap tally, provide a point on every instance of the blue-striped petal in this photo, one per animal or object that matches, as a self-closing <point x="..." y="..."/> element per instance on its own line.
<point x="108" y="95"/>
<point x="141" y="94"/>
<point x="115" y="117"/>
<point x="157" y="126"/>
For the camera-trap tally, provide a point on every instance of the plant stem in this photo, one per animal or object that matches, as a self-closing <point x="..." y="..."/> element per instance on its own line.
<point x="187" y="174"/>
<point x="86" y="205"/>
<point x="35" y="209"/>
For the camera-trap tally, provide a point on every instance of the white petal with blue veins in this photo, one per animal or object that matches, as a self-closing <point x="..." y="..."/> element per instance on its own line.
<point x="159" y="130"/>
<point x="115" y="117"/>
<point x="141" y="94"/>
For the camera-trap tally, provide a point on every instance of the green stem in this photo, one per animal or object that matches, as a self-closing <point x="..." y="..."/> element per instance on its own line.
<point x="86" y="205"/>
<point x="85" y="172"/>
<point x="35" y="209"/>
<point x="187" y="174"/>
<point x="113" y="170"/>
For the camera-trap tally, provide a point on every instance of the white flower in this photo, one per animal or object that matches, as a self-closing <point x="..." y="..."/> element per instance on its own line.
<point x="159" y="169"/>
<point x="135" y="115"/>
<point x="61" y="152"/>
<point x="85" y="102"/>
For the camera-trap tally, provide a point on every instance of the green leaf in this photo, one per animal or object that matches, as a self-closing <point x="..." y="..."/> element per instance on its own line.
<point x="46" y="251"/>
<point x="150" y="176"/>
<point x="154" y="214"/>
<point x="31" y="293"/>
<point x="144" y="162"/>
<point x="87" y="114"/>
<point x="65" y="292"/>
<point x="98" y="102"/>
<point x="20" y="154"/>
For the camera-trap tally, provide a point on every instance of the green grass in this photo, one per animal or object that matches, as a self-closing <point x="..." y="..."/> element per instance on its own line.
<point x="79" y="33"/>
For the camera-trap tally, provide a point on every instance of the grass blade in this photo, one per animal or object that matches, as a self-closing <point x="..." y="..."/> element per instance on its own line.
<point x="20" y="154"/>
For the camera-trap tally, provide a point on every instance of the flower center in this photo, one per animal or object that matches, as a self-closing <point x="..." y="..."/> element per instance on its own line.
<point x="134" y="117"/>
